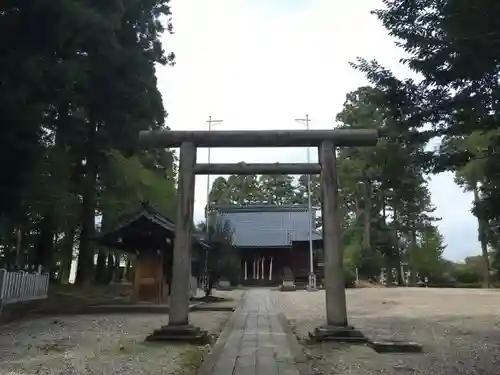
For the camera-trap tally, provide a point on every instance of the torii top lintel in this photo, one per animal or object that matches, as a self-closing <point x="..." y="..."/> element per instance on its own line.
<point x="259" y="138"/>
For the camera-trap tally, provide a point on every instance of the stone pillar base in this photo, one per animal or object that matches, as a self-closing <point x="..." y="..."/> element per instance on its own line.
<point x="347" y="334"/>
<point x="180" y="333"/>
<point x="288" y="286"/>
<point x="311" y="286"/>
<point x="205" y="281"/>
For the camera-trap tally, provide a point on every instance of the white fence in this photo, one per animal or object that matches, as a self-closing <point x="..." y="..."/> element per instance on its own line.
<point x="22" y="286"/>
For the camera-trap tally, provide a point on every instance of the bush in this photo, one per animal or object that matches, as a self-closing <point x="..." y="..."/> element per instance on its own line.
<point x="466" y="274"/>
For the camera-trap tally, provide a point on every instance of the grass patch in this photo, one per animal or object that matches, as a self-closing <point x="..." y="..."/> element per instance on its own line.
<point x="191" y="359"/>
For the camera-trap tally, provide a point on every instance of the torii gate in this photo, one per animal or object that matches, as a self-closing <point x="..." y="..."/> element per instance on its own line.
<point x="336" y="326"/>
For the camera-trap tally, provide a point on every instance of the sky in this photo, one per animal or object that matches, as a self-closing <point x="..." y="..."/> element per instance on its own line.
<point x="261" y="64"/>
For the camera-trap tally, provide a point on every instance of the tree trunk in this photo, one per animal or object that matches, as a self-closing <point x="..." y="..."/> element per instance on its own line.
<point x="389" y="281"/>
<point x="484" y="243"/>
<point x="54" y="268"/>
<point x="397" y="254"/>
<point x="397" y="261"/>
<point x="47" y="243"/>
<point x="366" y="244"/>
<point x="86" y="252"/>
<point x="413" y="248"/>
<point x="67" y="254"/>
<point x="100" y="269"/>
<point x="44" y="255"/>
<point x="128" y="267"/>
<point x="116" y="268"/>
<point x="19" y="252"/>
<point x="110" y="268"/>
<point x="388" y="255"/>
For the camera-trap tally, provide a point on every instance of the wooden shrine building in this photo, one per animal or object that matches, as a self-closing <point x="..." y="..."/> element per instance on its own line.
<point x="270" y="239"/>
<point x="149" y="237"/>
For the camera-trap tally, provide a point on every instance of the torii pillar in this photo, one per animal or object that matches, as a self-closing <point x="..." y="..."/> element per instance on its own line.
<point x="179" y="328"/>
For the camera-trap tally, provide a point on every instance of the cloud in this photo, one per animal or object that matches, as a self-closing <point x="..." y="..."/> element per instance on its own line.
<point x="261" y="64"/>
<point x="279" y="6"/>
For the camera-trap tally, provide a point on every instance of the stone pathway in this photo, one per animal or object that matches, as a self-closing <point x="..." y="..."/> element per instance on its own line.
<point x="257" y="344"/>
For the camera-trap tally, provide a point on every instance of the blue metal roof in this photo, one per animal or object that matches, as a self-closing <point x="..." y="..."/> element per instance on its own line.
<point x="267" y="225"/>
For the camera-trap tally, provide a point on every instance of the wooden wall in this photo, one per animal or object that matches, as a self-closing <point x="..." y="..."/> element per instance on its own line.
<point x="148" y="278"/>
<point x="281" y="259"/>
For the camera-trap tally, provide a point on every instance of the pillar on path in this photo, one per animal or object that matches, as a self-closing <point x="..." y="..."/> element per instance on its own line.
<point x="336" y="327"/>
<point x="271" y="269"/>
<point x="178" y="327"/>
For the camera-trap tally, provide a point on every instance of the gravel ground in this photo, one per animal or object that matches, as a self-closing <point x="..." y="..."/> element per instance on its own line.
<point x="99" y="344"/>
<point x="458" y="328"/>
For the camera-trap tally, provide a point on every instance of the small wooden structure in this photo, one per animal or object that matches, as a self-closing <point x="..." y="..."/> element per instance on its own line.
<point x="149" y="238"/>
<point x="326" y="141"/>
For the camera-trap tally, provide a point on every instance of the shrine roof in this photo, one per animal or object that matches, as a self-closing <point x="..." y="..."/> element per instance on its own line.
<point x="145" y="229"/>
<point x="259" y="207"/>
<point x="267" y="226"/>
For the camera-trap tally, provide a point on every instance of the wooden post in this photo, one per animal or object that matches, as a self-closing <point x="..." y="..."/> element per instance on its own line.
<point x="259" y="138"/>
<point x="336" y="311"/>
<point x="179" y="297"/>
<point x="252" y="168"/>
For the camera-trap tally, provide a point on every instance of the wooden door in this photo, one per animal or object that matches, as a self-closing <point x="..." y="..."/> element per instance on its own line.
<point x="148" y="281"/>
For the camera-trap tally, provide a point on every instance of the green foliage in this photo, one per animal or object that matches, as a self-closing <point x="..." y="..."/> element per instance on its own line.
<point x="427" y="257"/>
<point x="468" y="272"/>
<point x="223" y="261"/>
<point x="383" y="189"/>
<point x="77" y="85"/>
<point x="265" y="189"/>
<point x="129" y="182"/>
<point x="367" y="261"/>
<point x="452" y="44"/>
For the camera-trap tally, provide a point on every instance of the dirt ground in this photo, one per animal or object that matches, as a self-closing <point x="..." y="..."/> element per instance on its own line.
<point x="102" y="344"/>
<point x="458" y="328"/>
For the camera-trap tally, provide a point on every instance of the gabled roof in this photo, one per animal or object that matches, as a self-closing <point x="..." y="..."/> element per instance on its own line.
<point x="145" y="225"/>
<point x="260" y="208"/>
<point x="268" y="225"/>
<point x="147" y="212"/>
